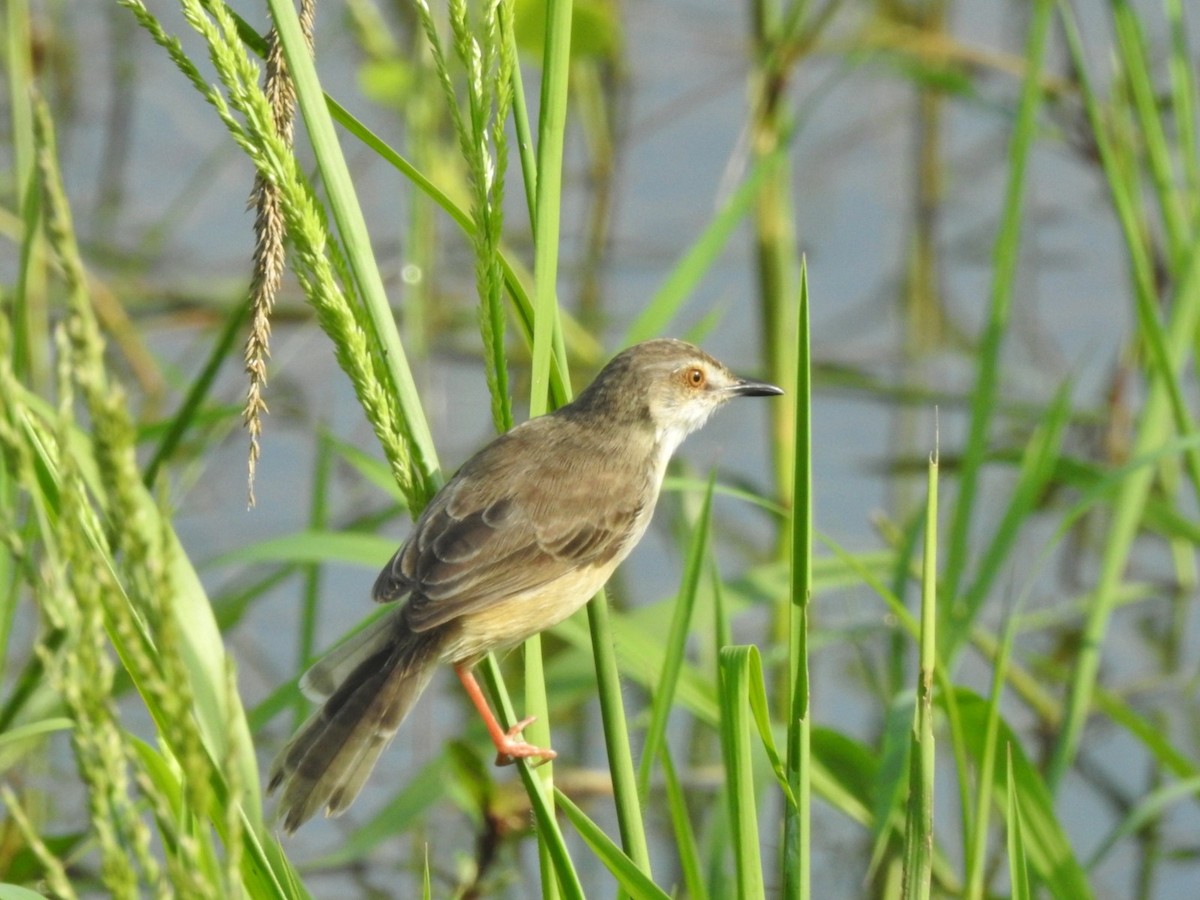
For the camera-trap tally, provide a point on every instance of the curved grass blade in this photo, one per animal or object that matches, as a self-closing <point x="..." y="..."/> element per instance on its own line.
<point x="1047" y="848"/>
<point x="1148" y="809"/>
<point x="681" y="825"/>
<point x="663" y="695"/>
<point x="632" y="880"/>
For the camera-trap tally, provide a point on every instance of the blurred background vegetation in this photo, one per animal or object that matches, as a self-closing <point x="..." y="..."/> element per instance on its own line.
<point x="960" y="228"/>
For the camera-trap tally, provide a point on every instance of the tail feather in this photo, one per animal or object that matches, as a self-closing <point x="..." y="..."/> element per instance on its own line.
<point x="328" y="673"/>
<point x="327" y="762"/>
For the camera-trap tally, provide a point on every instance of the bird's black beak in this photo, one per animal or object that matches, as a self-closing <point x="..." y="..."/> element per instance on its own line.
<point x="748" y="387"/>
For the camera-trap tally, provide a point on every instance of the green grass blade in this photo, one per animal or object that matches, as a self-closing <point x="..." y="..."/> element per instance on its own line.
<point x="629" y="875"/>
<point x="513" y="277"/>
<point x="356" y="240"/>
<point x="1153" y="430"/>
<point x="639" y="656"/>
<point x="1018" y="870"/>
<point x="220" y="720"/>
<point x="310" y="604"/>
<point x="757" y="698"/>
<point x="16" y="892"/>
<point x="552" y="847"/>
<point x="546" y="328"/>
<point x="1149" y="808"/>
<point x="626" y="797"/>
<point x="1184" y="100"/>
<point x="918" y="831"/>
<point x="314" y="546"/>
<point x="1047" y="847"/>
<point x="680" y="483"/>
<point x="735" y="663"/>
<point x="1038" y="467"/>
<point x="520" y="118"/>
<point x="1167" y="345"/>
<point x="541" y="781"/>
<point x="668" y="299"/>
<point x="1149" y="734"/>
<point x="1131" y="51"/>
<point x="1004" y="259"/>
<point x="681" y="828"/>
<point x="552" y="122"/>
<point x="891" y="776"/>
<point x="30" y="730"/>
<point x="373" y="470"/>
<point x="29" y="304"/>
<point x="189" y="407"/>
<point x="676" y="640"/>
<point x="976" y="830"/>
<point x="721" y="630"/>
<point x="202" y="646"/>
<point x="1125" y="192"/>
<point x="797" y="823"/>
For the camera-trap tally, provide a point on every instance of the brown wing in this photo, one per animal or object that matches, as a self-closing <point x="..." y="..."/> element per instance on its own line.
<point x="503" y="526"/>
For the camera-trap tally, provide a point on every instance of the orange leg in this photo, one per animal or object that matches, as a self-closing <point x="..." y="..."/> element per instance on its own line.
<point x="510" y="746"/>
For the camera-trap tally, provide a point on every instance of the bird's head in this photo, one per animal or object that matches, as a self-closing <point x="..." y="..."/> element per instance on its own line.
<point x="667" y="384"/>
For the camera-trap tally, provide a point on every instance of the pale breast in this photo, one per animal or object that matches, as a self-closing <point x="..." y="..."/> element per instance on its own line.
<point x="510" y="621"/>
<point x="507" y="624"/>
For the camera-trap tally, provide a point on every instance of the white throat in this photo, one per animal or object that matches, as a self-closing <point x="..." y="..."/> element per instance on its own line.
<point x="669" y="436"/>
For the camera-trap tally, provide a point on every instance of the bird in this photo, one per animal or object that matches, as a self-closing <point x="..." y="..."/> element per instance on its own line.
<point x="523" y="535"/>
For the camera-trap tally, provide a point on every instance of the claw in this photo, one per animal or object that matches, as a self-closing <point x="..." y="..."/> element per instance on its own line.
<point x="510" y="746"/>
<point x="513" y="747"/>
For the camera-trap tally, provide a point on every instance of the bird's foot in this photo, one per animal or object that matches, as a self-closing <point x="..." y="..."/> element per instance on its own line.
<point x="512" y="746"/>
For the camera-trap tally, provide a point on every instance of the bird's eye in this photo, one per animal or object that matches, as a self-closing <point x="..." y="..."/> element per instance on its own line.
<point x="694" y="377"/>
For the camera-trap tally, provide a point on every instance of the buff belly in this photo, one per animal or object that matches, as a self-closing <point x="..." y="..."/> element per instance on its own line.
<point x="516" y="618"/>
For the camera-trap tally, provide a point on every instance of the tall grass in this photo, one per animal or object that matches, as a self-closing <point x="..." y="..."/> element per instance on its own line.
<point x="723" y="766"/>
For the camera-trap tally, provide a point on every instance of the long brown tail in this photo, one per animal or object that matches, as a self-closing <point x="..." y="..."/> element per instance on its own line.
<point x="372" y="681"/>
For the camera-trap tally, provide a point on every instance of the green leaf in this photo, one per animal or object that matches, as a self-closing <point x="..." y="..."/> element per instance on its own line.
<point x="660" y="310"/>
<point x="892" y="774"/>
<point x="1018" y="870"/>
<point x="735" y="666"/>
<point x="16" y="892"/>
<point x="31" y="730"/>
<point x="1148" y="809"/>
<point x="663" y="696"/>
<point x="681" y="825"/>
<point x="358" y="548"/>
<point x="1047" y="848"/>
<point x="757" y="697"/>
<point x="633" y="881"/>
